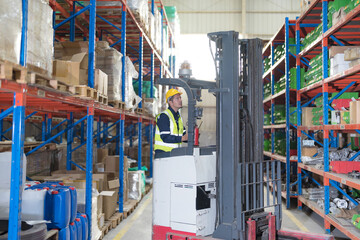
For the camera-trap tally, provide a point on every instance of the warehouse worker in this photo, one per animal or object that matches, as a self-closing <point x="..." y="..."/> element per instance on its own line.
<point x="170" y="131"/>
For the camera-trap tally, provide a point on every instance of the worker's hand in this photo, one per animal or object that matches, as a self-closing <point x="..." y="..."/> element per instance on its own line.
<point x="184" y="138"/>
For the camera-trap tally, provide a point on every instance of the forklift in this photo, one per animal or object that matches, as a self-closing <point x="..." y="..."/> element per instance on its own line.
<point x="218" y="192"/>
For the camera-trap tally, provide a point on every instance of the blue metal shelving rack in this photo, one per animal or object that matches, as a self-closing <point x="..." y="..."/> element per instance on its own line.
<point x="19" y="97"/>
<point x="346" y="81"/>
<point x="277" y="69"/>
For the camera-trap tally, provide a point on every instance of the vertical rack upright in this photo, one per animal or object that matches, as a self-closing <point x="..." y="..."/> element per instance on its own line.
<point x="281" y="69"/>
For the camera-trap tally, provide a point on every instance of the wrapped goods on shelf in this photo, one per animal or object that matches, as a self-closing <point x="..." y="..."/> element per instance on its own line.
<point x="10" y="31"/>
<point x="108" y="60"/>
<point x="136" y="184"/>
<point x="338" y="64"/>
<point x="351" y="54"/>
<point x="40" y="36"/>
<point x="150" y="105"/>
<point x="5" y="170"/>
<point x="131" y="99"/>
<point x="32" y="205"/>
<point x="152" y="28"/>
<point x="267" y="119"/>
<point x="174" y="20"/>
<point x="158" y="29"/>
<point x="140" y="8"/>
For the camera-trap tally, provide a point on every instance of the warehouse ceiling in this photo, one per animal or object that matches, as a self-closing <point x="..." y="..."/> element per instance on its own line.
<point x="261" y="18"/>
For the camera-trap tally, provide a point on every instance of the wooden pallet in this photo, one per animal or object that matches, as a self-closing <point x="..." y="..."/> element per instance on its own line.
<point x="43" y="80"/>
<point x="12" y="71"/>
<point x="117" y="104"/>
<point x="28" y="146"/>
<point x="52" y="235"/>
<point x="116" y="219"/>
<point x="139" y="111"/>
<point x="148" y="189"/>
<point x="102" y="99"/>
<point x="129" y="207"/>
<point x="105" y="229"/>
<point x="84" y="91"/>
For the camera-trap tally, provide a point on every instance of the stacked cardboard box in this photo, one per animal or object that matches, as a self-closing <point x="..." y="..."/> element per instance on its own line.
<point x="39" y="34"/>
<point x="71" y="65"/>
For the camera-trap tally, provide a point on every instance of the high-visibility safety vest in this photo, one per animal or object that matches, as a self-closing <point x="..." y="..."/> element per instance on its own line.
<point x="174" y="130"/>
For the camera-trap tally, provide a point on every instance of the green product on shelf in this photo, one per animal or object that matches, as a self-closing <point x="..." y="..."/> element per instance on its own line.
<point x="318" y="101"/>
<point x="267" y="145"/>
<point x="292" y="49"/>
<point x="356" y="220"/>
<point x="346" y="95"/>
<point x="346" y="117"/>
<point x="267" y="64"/>
<point x="293" y="145"/>
<point x="293" y="75"/>
<point x="293" y="117"/>
<point x="267" y="119"/>
<point x="317" y="120"/>
<point x="353" y="4"/>
<point x="355" y="143"/>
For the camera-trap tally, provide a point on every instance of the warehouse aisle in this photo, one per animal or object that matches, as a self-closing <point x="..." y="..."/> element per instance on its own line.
<point x="138" y="225"/>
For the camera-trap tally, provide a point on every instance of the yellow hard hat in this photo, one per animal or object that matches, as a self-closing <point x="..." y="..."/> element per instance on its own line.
<point x="171" y="93"/>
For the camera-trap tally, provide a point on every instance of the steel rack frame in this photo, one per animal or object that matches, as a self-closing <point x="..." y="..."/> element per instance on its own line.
<point x="286" y="96"/>
<point x="79" y="22"/>
<point x="345" y="32"/>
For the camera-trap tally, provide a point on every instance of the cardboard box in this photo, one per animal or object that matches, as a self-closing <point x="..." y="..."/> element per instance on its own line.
<point x="308" y="151"/>
<point x="112" y="163"/>
<point x="355" y="112"/>
<point x="101" y="79"/>
<point x="100" y="205"/>
<point x="110" y="200"/>
<point x="307" y="116"/>
<point x="102" y="153"/>
<point x="338" y="49"/>
<point x="100" y="167"/>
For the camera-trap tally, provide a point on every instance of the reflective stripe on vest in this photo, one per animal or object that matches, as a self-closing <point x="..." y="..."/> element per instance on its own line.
<point x="159" y="143"/>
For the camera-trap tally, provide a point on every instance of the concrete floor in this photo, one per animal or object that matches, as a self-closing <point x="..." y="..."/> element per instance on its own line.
<point x="138" y="225"/>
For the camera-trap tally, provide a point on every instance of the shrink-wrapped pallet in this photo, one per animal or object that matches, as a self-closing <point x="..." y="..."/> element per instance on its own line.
<point x="108" y="60"/>
<point x="131" y="99"/>
<point x="140" y="8"/>
<point x="40" y="36"/>
<point x="10" y="30"/>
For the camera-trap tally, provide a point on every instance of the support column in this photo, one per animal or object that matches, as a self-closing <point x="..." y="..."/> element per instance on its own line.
<point x="48" y="126"/>
<point x="1" y="127"/>
<point x="287" y="109"/>
<point x="70" y="119"/>
<point x="89" y="164"/>
<point x="24" y="29"/>
<point x="98" y="135"/>
<point x="92" y="36"/>
<point x="298" y="107"/>
<point x="43" y="128"/>
<point x="17" y="153"/>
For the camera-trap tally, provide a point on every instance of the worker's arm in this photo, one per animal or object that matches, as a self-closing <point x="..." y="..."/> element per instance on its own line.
<point x="163" y="123"/>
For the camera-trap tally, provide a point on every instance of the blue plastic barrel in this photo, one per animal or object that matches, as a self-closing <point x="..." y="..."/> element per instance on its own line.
<point x="64" y="234"/>
<point x="57" y="205"/>
<point x="84" y="224"/>
<point x="79" y="229"/>
<point x="56" y="186"/>
<point x="73" y="231"/>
